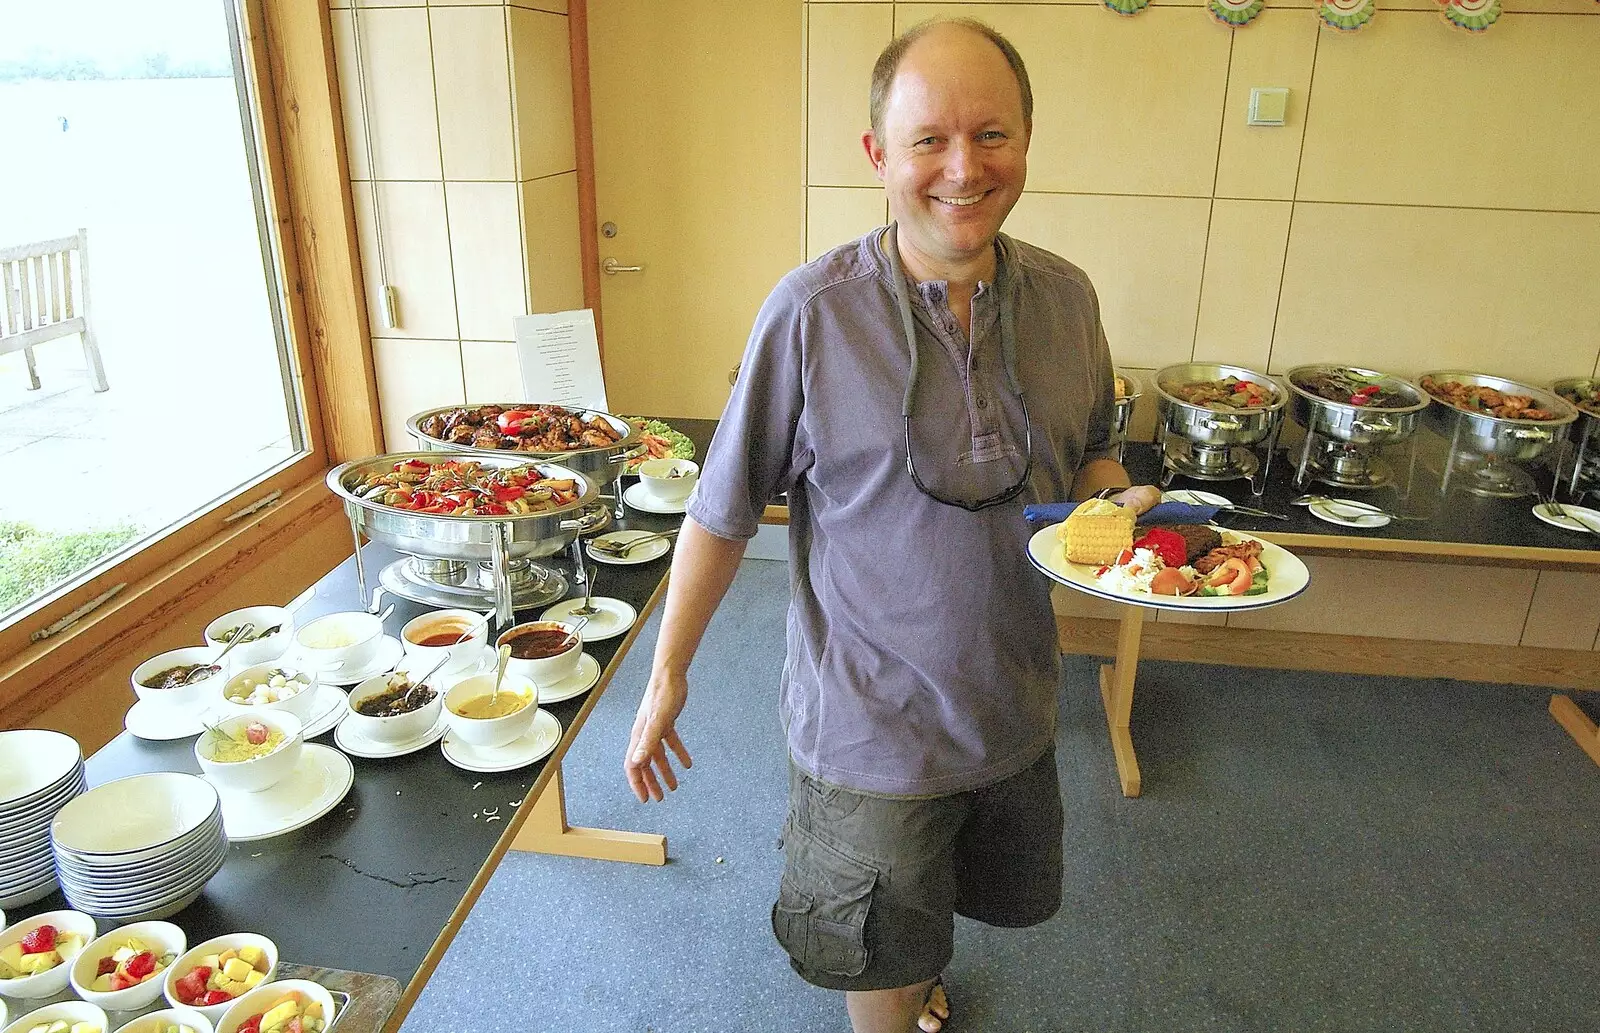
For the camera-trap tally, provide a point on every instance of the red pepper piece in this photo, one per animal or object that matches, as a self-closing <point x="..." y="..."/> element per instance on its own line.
<point x="510" y="421"/>
<point x="1169" y="545"/>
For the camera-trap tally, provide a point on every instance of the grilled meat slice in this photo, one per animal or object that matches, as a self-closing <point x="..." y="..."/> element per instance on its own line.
<point x="1198" y="539"/>
<point x="1217" y="557"/>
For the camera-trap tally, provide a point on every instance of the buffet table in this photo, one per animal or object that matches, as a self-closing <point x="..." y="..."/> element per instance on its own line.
<point x="382" y="883"/>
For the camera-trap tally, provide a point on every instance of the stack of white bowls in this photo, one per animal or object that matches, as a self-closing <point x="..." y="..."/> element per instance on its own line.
<point x="39" y="772"/>
<point x="139" y="848"/>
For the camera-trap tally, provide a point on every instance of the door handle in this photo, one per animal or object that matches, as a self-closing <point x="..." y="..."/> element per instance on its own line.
<point x="612" y="267"/>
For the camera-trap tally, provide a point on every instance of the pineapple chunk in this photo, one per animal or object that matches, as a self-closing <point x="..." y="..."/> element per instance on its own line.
<point x="313" y="1010"/>
<point x="254" y="955"/>
<point x="44" y="961"/>
<point x="86" y="1027"/>
<point x="253" y="979"/>
<point x="227" y="955"/>
<point x="280" y="1013"/>
<point x="11" y="957"/>
<point x="237" y="969"/>
<point x="68" y="945"/>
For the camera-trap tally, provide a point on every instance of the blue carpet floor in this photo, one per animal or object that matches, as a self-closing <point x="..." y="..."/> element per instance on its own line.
<point x="1312" y="852"/>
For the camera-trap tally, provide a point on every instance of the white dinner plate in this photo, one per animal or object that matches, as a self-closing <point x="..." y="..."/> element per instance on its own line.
<point x="484" y="662"/>
<point x="390" y="651"/>
<point x="643" y="554"/>
<point x="1287" y="577"/>
<point x="315" y="787"/>
<point x="646" y="501"/>
<point x="1573" y="521"/>
<point x="614" y="617"/>
<point x="574" y="684"/>
<point x="354" y="743"/>
<point x="1338" y="511"/>
<point x="153" y="721"/>
<point x="518" y="753"/>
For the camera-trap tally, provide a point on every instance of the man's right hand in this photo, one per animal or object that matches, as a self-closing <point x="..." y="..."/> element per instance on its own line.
<point x="655" y="729"/>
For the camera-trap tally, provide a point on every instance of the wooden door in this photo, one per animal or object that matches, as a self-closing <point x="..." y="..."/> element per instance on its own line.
<point x="699" y="168"/>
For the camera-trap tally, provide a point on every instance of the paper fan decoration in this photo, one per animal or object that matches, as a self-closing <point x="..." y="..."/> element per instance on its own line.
<point x="1472" y="15"/>
<point x="1126" y="7"/>
<point x="1234" y="13"/>
<point x="1346" y="15"/>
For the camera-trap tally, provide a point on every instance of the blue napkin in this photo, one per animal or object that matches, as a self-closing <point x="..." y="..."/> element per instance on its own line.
<point x="1041" y="514"/>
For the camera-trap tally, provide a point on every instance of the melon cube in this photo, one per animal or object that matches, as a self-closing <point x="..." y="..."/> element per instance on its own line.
<point x="254" y="979"/>
<point x="254" y="955"/>
<point x="237" y="969"/>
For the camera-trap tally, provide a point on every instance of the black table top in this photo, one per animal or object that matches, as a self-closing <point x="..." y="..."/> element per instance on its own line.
<point x="369" y="886"/>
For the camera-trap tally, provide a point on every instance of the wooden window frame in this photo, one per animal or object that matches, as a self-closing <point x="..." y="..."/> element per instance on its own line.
<point x="299" y="130"/>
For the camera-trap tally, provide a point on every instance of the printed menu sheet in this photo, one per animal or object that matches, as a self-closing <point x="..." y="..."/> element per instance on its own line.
<point x="560" y="358"/>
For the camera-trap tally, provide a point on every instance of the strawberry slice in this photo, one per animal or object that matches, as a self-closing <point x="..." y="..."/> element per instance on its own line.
<point x="211" y="997"/>
<point x="192" y="986"/>
<point x="251" y="1025"/>
<point x="39" y="940"/>
<point x="141" y="964"/>
<point x="105" y="967"/>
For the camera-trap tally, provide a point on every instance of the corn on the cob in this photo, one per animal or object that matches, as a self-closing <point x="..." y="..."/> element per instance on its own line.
<point x="1097" y="532"/>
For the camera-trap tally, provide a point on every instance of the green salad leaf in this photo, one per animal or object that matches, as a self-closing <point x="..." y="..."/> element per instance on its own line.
<point x="676" y="443"/>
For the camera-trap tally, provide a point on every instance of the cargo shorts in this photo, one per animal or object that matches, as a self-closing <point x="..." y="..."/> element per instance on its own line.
<point x="871" y="884"/>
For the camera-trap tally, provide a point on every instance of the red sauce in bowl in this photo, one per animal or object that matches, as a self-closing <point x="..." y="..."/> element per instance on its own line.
<point x="539" y="643"/>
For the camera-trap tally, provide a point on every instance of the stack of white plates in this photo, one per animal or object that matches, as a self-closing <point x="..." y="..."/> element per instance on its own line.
<point x="139" y="848"/>
<point x="39" y="772"/>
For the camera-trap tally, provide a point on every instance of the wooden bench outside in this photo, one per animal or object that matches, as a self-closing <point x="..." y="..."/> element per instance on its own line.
<point x="39" y="301"/>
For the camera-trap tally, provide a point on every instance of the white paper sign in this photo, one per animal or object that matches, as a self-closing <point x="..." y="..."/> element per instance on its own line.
<point x="560" y="359"/>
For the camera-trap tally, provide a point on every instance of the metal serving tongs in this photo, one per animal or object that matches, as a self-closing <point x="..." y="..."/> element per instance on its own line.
<point x="1189" y="498"/>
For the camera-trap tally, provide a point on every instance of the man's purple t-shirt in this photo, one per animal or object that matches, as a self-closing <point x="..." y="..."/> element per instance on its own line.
<point x="922" y="654"/>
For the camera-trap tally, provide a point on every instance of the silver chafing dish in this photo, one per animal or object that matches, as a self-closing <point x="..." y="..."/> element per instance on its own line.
<point x="1343" y="440"/>
<point x="602" y="464"/>
<point x="1585" y="475"/>
<point x="1487" y="444"/>
<point x="444" y="549"/>
<point x="1216" y="444"/>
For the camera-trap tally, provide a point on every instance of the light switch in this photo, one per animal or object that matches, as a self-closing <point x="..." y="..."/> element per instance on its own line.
<point x="1268" y="105"/>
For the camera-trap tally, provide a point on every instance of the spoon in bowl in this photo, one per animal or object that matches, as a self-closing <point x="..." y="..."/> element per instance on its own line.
<point x="500" y="672"/>
<point x="576" y="627"/>
<point x="216" y="662"/>
<point x="480" y="622"/>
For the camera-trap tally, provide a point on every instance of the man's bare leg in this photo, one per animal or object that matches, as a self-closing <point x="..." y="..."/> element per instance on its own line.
<point x="888" y="1011"/>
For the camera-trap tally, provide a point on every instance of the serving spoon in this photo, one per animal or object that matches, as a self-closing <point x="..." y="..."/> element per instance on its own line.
<point x="500" y="672"/>
<point x="1359" y="507"/>
<point x="216" y="662"/>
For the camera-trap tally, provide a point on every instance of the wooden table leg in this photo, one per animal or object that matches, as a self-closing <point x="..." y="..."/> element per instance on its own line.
<point x="1116" y="691"/>
<point x="1577" y="724"/>
<point x="547" y="832"/>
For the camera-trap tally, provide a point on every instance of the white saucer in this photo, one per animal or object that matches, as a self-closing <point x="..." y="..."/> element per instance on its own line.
<point x="643" y="554"/>
<point x="358" y="745"/>
<point x="614" y="618"/>
<point x="643" y="499"/>
<point x="332" y="706"/>
<point x="153" y="721"/>
<point x="535" y="745"/>
<point x="390" y="651"/>
<point x="483" y="662"/>
<point x="575" y="684"/>
<point x="1190" y="497"/>
<point x="1351" y="516"/>
<point x="1582" y="514"/>
<point x="315" y="787"/>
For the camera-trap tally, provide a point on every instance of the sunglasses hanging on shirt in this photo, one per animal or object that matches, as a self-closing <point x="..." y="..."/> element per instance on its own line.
<point x="1008" y="348"/>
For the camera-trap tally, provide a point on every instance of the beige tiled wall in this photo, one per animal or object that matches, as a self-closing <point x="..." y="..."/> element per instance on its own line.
<point x="458" y="118"/>
<point x="1431" y="203"/>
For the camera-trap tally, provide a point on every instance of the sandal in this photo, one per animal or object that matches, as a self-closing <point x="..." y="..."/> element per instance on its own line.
<point x="936" y="1009"/>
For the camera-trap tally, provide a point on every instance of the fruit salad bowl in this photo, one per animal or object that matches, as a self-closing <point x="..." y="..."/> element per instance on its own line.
<point x="70" y="1012"/>
<point x="202" y="980"/>
<point x="309" y="1001"/>
<point x="58" y="934"/>
<point x="167" y="1019"/>
<point x="123" y="970"/>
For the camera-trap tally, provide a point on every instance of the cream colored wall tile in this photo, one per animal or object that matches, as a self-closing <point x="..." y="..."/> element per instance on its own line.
<point x="1531" y="145"/>
<point x="473" y="79"/>
<point x="486" y="250"/>
<point x="550" y="226"/>
<point x="1239" y="295"/>
<point x="417" y="256"/>
<point x="1483" y="605"/>
<point x="414" y="375"/>
<point x="552" y="6"/>
<point x="1566" y="611"/>
<point x="835" y="215"/>
<point x="1121" y="105"/>
<point x="541" y="70"/>
<point x="1144" y="255"/>
<point x="491" y="371"/>
<point x="399" y="93"/>
<point x="843" y="41"/>
<point x="1412" y="289"/>
<point x="1262" y="161"/>
<point x="355" y="126"/>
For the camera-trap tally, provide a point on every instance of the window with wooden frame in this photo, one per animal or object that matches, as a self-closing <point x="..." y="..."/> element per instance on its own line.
<point x="278" y="369"/>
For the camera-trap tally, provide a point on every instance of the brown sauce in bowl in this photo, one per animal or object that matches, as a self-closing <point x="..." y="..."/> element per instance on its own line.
<point x="538" y="643"/>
